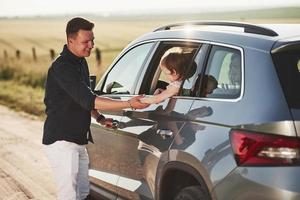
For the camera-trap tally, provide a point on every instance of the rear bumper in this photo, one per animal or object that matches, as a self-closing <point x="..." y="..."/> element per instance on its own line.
<point x="267" y="183"/>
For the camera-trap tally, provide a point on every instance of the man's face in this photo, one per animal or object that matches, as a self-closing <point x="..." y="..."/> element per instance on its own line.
<point x="82" y="43"/>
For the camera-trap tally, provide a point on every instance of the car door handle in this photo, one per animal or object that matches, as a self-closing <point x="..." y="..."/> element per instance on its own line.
<point x="164" y="133"/>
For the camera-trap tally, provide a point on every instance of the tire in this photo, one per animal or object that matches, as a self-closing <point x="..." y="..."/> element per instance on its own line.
<point x="192" y="193"/>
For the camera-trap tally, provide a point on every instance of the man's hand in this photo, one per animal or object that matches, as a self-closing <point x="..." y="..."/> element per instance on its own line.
<point x="106" y="122"/>
<point x="109" y="123"/>
<point x="135" y="102"/>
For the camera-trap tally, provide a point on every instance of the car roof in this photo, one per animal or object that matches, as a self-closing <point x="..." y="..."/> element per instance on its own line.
<point x="263" y="37"/>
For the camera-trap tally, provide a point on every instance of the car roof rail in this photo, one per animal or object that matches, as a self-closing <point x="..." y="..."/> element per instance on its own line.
<point x="248" y="28"/>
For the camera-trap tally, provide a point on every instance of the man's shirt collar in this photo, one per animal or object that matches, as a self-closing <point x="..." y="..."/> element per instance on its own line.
<point x="66" y="52"/>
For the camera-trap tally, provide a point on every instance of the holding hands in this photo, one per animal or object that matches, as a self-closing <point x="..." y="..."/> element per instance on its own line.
<point x="135" y="102"/>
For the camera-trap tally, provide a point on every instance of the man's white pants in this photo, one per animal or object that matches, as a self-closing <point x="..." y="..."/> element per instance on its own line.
<point x="69" y="162"/>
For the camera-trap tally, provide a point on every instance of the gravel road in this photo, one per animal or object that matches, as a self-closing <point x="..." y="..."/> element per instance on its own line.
<point x="24" y="169"/>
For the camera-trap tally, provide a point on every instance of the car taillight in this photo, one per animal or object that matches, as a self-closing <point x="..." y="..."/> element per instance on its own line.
<point x="257" y="149"/>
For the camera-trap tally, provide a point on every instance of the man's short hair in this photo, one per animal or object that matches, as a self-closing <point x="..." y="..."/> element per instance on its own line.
<point x="77" y="23"/>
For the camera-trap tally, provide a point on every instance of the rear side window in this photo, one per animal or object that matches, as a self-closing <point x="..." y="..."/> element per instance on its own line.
<point x="223" y="74"/>
<point x="288" y="67"/>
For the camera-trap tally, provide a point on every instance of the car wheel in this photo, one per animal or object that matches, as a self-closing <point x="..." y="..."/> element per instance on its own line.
<point x="192" y="193"/>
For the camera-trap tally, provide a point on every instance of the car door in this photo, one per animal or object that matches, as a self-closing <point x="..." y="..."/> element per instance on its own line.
<point x="149" y="133"/>
<point x="106" y="152"/>
<point x="213" y="113"/>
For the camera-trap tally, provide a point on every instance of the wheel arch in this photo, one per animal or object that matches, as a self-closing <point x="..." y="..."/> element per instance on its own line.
<point x="186" y="172"/>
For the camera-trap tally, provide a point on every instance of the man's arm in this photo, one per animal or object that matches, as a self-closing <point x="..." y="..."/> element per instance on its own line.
<point x="101" y="119"/>
<point x="103" y="103"/>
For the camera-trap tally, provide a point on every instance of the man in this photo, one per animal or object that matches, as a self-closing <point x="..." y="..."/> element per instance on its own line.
<point x="69" y="105"/>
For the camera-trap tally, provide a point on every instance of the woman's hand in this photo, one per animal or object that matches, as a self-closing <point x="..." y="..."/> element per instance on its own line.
<point x="135" y="102"/>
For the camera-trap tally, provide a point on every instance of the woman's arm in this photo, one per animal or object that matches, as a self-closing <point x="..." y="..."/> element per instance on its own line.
<point x="167" y="93"/>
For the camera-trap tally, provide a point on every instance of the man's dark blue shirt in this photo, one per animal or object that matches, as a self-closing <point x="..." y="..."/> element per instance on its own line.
<point x="68" y="99"/>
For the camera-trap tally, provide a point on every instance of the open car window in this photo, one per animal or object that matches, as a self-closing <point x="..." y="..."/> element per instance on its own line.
<point x="154" y="78"/>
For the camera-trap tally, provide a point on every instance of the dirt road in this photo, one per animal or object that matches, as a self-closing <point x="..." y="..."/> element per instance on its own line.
<point x="24" y="169"/>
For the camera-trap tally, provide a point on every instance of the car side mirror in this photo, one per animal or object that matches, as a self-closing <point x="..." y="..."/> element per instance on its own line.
<point x="93" y="82"/>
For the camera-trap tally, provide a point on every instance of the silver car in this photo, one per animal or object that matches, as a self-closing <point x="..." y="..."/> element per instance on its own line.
<point x="239" y="141"/>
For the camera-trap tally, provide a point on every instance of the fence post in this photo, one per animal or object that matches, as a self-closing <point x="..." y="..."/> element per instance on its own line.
<point x="98" y="57"/>
<point x="5" y="55"/>
<point x="52" y="54"/>
<point x="18" y="54"/>
<point x="34" y="54"/>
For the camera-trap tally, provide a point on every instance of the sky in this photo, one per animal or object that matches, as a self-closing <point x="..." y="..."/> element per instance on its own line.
<point x="12" y="8"/>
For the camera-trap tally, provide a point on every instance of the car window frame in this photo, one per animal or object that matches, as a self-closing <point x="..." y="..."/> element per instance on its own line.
<point x="241" y="50"/>
<point x="204" y="71"/>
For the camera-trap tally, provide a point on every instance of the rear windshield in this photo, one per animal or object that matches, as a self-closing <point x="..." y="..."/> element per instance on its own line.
<point x="288" y="68"/>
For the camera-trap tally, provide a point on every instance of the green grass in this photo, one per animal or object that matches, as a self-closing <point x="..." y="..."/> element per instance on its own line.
<point x="19" y="75"/>
<point x="22" y="97"/>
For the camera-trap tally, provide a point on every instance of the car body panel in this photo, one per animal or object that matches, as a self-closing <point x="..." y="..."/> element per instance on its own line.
<point x="105" y="156"/>
<point x="150" y="132"/>
<point x="210" y="145"/>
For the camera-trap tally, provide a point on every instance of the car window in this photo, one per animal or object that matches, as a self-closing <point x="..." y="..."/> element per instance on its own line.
<point x="154" y="78"/>
<point x="288" y="68"/>
<point x="123" y="76"/>
<point x="223" y="75"/>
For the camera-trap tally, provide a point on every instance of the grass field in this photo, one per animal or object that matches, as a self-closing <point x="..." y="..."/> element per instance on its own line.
<point x="22" y="80"/>
<point x="45" y="34"/>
